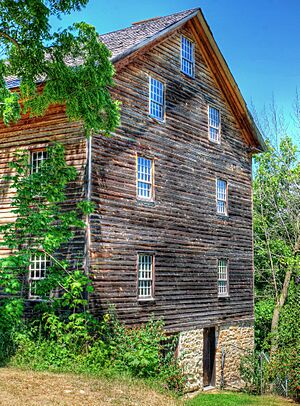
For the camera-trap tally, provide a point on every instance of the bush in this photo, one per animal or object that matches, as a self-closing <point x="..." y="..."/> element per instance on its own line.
<point x="10" y="323"/>
<point x="251" y="373"/>
<point x="137" y="350"/>
<point x="79" y="343"/>
<point x="286" y="364"/>
<point x="263" y="319"/>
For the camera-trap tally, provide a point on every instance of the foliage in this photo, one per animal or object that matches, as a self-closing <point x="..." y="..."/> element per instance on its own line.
<point x="73" y="65"/>
<point x="290" y="318"/>
<point x="41" y="227"/>
<point x="137" y="349"/>
<point x="285" y="364"/>
<point x="79" y="343"/>
<point x="277" y="261"/>
<point x="276" y="230"/>
<point x="276" y="214"/>
<point x="286" y="361"/>
<point x="251" y="373"/>
<point x="62" y="335"/>
<point x="146" y="351"/>
<point x="10" y="322"/>
<point x="263" y="318"/>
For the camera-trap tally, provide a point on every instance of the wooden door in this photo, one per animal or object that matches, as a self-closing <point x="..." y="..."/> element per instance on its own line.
<point x="209" y="352"/>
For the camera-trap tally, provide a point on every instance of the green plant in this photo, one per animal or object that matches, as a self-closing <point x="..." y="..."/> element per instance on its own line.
<point x="72" y="63"/>
<point x="276" y="229"/>
<point x="80" y="343"/>
<point x="137" y="349"/>
<point x="10" y="322"/>
<point x="62" y="335"/>
<point x="263" y="319"/>
<point x="285" y="363"/>
<point x="251" y="373"/>
<point x="42" y="226"/>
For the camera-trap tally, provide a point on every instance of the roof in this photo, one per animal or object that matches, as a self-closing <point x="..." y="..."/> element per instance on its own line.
<point x="123" y="41"/>
<point x="129" y="41"/>
<point x="118" y="42"/>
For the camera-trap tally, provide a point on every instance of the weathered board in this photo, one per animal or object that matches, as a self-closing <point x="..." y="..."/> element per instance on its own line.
<point x="181" y="227"/>
<point x="36" y="133"/>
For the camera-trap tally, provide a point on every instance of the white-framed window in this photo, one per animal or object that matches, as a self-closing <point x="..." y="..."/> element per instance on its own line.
<point x="156" y="99"/>
<point x="145" y="171"/>
<point x="214" y="124"/>
<point x="223" y="277"/>
<point x="36" y="159"/>
<point x="187" y="56"/>
<point x="145" y="276"/>
<point x="39" y="263"/>
<point x="221" y="196"/>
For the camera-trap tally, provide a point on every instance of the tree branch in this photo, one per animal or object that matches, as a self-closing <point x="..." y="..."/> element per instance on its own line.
<point x="9" y="38"/>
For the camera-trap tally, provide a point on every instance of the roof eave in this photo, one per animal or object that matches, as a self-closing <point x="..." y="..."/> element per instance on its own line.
<point x="259" y="142"/>
<point x="256" y="134"/>
<point x="157" y="36"/>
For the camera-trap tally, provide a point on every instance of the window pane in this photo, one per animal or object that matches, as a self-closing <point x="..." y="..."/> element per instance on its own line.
<point x="222" y="287"/>
<point x="221" y="207"/>
<point x="144" y="177"/>
<point x="145" y="275"/>
<point x="156" y="105"/>
<point x="36" y="160"/>
<point x="221" y="193"/>
<point x="214" y="117"/>
<point x="222" y="277"/>
<point x="214" y="134"/>
<point x="187" y="56"/>
<point x="214" y="124"/>
<point x="37" y="271"/>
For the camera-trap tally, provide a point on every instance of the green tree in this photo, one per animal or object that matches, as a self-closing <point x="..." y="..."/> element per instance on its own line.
<point x="277" y="230"/>
<point x="43" y="225"/>
<point x="69" y="67"/>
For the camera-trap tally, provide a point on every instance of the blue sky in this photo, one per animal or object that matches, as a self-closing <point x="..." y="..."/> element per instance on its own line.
<point x="259" y="38"/>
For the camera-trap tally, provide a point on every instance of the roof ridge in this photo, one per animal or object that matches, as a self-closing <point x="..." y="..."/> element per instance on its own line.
<point x="150" y="20"/>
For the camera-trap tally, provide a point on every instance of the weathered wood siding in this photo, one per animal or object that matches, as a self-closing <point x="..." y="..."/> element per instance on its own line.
<point x="30" y="134"/>
<point x="181" y="227"/>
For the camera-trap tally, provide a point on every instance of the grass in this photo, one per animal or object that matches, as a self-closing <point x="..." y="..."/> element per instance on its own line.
<point x="236" y="399"/>
<point x="31" y="388"/>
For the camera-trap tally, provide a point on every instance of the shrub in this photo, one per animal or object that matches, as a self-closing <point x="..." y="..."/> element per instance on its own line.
<point x="79" y="343"/>
<point x="263" y="318"/>
<point x="286" y="364"/>
<point x="251" y="373"/>
<point x="10" y="322"/>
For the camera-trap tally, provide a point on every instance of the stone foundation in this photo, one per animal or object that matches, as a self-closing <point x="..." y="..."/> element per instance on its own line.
<point x="233" y="340"/>
<point x="236" y="340"/>
<point x="190" y="353"/>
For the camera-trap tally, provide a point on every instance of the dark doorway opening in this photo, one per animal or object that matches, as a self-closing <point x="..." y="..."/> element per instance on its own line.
<point x="209" y="355"/>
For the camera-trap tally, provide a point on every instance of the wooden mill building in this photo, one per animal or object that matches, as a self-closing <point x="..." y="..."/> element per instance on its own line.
<point x="171" y="234"/>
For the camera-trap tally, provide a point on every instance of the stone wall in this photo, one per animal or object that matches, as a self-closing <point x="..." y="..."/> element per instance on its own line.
<point x="234" y="340"/>
<point x="190" y="353"/>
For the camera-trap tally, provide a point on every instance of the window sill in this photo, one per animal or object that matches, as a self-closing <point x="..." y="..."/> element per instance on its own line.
<point x="223" y="216"/>
<point x="145" y="202"/>
<point x="215" y="143"/>
<point x="145" y="301"/>
<point x="224" y="297"/>
<point x="157" y="120"/>
<point x="186" y="75"/>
